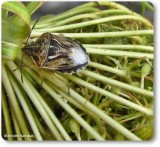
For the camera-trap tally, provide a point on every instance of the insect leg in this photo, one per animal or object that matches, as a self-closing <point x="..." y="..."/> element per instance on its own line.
<point x="21" y="67"/>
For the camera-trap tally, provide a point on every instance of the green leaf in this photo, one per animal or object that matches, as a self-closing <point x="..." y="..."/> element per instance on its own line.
<point x="15" y="27"/>
<point x="19" y="9"/>
<point x="9" y="50"/>
<point x="75" y="128"/>
<point x="33" y="6"/>
<point x="4" y="13"/>
<point x="146" y="69"/>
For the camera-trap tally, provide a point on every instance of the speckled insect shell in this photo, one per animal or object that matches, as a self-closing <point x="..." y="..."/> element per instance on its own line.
<point x="57" y="53"/>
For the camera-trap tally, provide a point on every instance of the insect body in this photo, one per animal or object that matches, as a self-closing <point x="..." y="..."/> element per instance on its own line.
<point x="57" y="53"/>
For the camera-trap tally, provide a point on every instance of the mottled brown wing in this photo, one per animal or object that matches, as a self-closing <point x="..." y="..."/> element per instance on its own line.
<point x="59" y="64"/>
<point x="65" y="55"/>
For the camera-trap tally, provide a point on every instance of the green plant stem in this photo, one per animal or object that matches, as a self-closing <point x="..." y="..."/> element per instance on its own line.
<point x="6" y="115"/>
<point x="147" y="5"/>
<point x="76" y="18"/>
<point x="83" y="9"/>
<point x="70" y="99"/>
<point x="108" y="34"/>
<point x="119" y="6"/>
<point x="34" y="114"/>
<point x="84" y="6"/>
<point x="119" y="72"/>
<point x="107" y="68"/>
<point x="76" y="103"/>
<point x="73" y="113"/>
<point x="143" y="8"/>
<point x="16" y="126"/>
<point x="32" y="93"/>
<point x="25" y="108"/>
<point x="91" y="5"/>
<point x="113" y="5"/>
<point x="62" y="16"/>
<point x="128" y="117"/>
<point x="92" y="15"/>
<point x="114" y="12"/>
<point x="93" y="22"/>
<point x="110" y="95"/>
<point x="94" y="109"/>
<point x="54" y="119"/>
<point x="118" y="83"/>
<point x="120" y="47"/>
<point x="14" y="102"/>
<point x="116" y="53"/>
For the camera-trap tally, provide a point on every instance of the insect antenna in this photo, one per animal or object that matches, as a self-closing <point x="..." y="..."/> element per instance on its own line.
<point x="31" y="30"/>
<point x="26" y="44"/>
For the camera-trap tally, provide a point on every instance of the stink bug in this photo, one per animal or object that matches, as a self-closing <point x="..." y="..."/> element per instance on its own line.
<point x="57" y="53"/>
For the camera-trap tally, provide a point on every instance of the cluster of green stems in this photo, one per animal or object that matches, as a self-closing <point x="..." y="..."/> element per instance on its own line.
<point x="56" y="86"/>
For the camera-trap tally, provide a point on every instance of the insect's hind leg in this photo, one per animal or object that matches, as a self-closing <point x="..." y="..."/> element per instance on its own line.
<point x="21" y="66"/>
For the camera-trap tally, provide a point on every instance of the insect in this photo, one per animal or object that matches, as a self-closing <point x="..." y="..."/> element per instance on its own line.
<point x="57" y="53"/>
